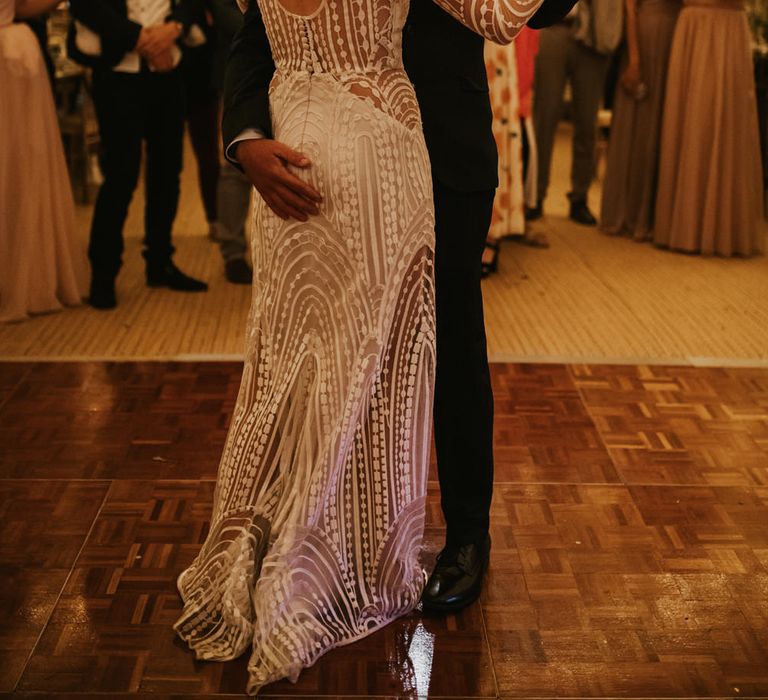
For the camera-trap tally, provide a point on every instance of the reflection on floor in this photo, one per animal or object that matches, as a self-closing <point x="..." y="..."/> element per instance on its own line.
<point x="630" y="530"/>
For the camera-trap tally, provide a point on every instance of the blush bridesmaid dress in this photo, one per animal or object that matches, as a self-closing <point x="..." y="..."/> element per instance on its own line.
<point x="709" y="197"/>
<point x="42" y="261"/>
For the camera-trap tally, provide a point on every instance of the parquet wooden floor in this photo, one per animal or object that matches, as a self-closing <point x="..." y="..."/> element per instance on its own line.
<point x="629" y="522"/>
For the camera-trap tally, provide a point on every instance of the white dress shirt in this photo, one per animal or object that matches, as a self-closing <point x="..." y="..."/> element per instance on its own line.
<point x="146" y="13"/>
<point x="245" y="135"/>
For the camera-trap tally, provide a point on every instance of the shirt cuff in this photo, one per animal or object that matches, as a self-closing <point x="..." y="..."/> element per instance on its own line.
<point x="244" y="135"/>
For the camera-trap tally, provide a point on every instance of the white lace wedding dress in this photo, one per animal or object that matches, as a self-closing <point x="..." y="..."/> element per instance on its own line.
<point x="319" y="508"/>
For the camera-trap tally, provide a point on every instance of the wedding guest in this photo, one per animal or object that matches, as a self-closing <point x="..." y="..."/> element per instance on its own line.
<point x="42" y="262"/>
<point x="577" y="51"/>
<point x="631" y="175"/>
<point x="202" y="110"/>
<point x="710" y="183"/>
<point x="526" y="50"/>
<point x="138" y="93"/>
<point x="508" y="208"/>
<point x="510" y="79"/>
<point x="234" y="192"/>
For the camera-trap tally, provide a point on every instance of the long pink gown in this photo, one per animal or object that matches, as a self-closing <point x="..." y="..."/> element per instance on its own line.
<point x="709" y="198"/>
<point x="42" y="261"/>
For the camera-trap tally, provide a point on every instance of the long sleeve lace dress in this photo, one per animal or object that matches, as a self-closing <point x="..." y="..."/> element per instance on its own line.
<point x="319" y="509"/>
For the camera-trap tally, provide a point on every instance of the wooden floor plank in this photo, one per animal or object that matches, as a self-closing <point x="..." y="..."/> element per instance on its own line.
<point x="43" y="526"/>
<point x="681" y="425"/>
<point x="629" y="526"/>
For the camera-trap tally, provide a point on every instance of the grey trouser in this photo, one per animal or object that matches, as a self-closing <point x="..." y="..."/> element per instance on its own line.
<point x="562" y="59"/>
<point x="234" y="197"/>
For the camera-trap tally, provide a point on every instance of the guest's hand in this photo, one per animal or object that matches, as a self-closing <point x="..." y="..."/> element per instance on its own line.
<point x="632" y="79"/>
<point x="162" y="62"/>
<point x="265" y="163"/>
<point x="143" y="42"/>
<point x="158" y="39"/>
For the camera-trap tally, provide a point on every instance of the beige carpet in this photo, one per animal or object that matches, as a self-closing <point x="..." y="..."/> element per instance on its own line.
<point x="595" y="298"/>
<point x="588" y="298"/>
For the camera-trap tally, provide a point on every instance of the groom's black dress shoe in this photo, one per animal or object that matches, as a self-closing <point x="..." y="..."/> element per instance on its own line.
<point x="458" y="577"/>
<point x="168" y="275"/>
<point x="102" y="294"/>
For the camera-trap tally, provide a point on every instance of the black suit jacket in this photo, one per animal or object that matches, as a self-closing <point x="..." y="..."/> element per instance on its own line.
<point x="446" y="64"/>
<point x="444" y="60"/>
<point x="109" y="19"/>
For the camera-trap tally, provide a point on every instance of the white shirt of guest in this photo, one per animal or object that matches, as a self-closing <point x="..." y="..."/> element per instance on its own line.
<point x="146" y="13"/>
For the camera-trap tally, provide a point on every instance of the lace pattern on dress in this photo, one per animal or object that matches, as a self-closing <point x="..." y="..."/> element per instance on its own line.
<point x="319" y="508"/>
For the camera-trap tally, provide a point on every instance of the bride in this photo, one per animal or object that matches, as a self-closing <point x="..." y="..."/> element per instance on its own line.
<point x="320" y="501"/>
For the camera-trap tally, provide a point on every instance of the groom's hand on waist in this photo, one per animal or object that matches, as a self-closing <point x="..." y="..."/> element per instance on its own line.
<point x="265" y="163"/>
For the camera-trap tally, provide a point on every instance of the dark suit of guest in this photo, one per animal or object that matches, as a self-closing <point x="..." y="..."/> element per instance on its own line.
<point x="234" y="194"/>
<point x="445" y="62"/>
<point x="202" y="110"/>
<point x="133" y="107"/>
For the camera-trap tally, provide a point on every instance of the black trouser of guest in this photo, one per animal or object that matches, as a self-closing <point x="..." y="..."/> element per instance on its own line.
<point x="526" y="147"/>
<point x="463" y="407"/>
<point x="203" y="123"/>
<point x="134" y="109"/>
<point x="202" y="114"/>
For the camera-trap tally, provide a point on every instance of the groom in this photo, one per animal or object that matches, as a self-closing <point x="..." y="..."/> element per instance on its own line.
<point x="445" y="62"/>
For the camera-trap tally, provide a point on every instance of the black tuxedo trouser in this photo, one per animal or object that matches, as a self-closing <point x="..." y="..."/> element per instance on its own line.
<point x="133" y="108"/>
<point x="463" y="408"/>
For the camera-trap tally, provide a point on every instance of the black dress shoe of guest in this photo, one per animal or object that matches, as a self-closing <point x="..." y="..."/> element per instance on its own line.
<point x="102" y="294"/>
<point x="457" y="579"/>
<point x="534" y="213"/>
<point x="237" y="271"/>
<point x="489" y="267"/>
<point x="168" y="275"/>
<point x="581" y="215"/>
